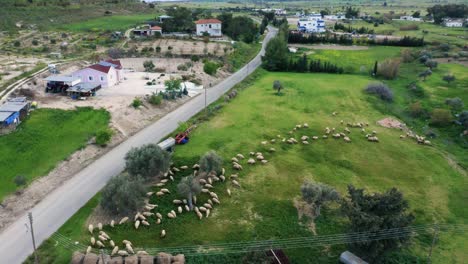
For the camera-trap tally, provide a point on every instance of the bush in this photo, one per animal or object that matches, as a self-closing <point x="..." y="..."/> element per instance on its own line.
<point x="441" y="117"/>
<point x="455" y="104"/>
<point x="123" y="196"/>
<point x="409" y="27"/>
<point x="389" y="69"/>
<point x="147" y="161"/>
<point x="444" y="47"/>
<point x="20" y="180"/>
<point x="210" y="162"/>
<point x="463" y="119"/>
<point x="406" y="56"/>
<point x="16" y="43"/>
<point x="155" y="99"/>
<point x="416" y="110"/>
<point x="431" y="64"/>
<point x="448" y="78"/>
<point x="381" y="90"/>
<point x="137" y="102"/>
<point x="210" y="67"/>
<point x="416" y="90"/>
<point x="103" y="137"/>
<point x="194" y="58"/>
<point x="158" y="49"/>
<point x="182" y="67"/>
<point x="148" y="65"/>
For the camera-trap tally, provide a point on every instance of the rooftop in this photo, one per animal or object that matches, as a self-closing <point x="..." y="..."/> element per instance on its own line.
<point x="12" y="106"/>
<point x="5" y="115"/>
<point x="83" y="87"/>
<point x="208" y="21"/>
<point x="101" y="68"/>
<point x="62" y="78"/>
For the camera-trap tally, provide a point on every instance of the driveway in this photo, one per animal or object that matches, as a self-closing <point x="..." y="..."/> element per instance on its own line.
<point x="63" y="202"/>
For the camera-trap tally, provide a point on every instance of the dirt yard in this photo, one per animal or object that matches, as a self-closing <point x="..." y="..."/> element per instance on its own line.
<point x="125" y="121"/>
<point x="186" y="47"/>
<point x="12" y="66"/>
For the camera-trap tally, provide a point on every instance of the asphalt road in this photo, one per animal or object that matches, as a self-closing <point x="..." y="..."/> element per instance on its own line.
<point x="63" y="202"/>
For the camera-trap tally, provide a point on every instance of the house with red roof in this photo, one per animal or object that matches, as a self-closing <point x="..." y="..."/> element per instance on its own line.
<point x="211" y="26"/>
<point x="106" y="73"/>
<point x="147" y="30"/>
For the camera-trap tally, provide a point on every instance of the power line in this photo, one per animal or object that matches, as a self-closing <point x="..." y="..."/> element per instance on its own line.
<point x="289" y="243"/>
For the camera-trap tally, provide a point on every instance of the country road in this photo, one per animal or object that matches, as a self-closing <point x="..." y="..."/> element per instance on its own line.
<point x="63" y="202"/>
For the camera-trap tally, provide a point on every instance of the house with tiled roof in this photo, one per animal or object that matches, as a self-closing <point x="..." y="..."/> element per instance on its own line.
<point x="106" y="73"/>
<point x="211" y="26"/>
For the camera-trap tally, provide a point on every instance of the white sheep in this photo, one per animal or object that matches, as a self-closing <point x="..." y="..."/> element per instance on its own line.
<point x="272" y="149"/>
<point x="148" y="214"/>
<point x="149" y="194"/>
<point x="260" y="157"/>
<point x="172" y="178"/>
<point x="203" y="190"/>
<point x="200" y="215"/>
<point x="251" y="161"/>
<point x="122" y="253"/>
<point x="179" y="209"/>
<point x="324" y="136"/>
<point x="305" y="125"/>
<point x="88" y="250"/>
<point x="115" y="250"/>
<point x="264" y="142"/>
<point x="210" y="201"/>
<point x="213" y="195"/>
<point x="184" y="167"/>
<point x="112" y="243"/>
<point x="273" y="141"/>
<point x="160" y="184"/>
<point x="235" y="183"/>
<point x="91" y="228"/>
<point x="304" y="138"/>
<point x="142" y="252"/>
<point x="202" y="181"/>
<point x="207" y="205"/>
<point x="252" y="153"/>
<point x="158" y="215"/>
<point x="207" y="212"/>
<point x="210" y="181"/>
<point x="208" y="185"/>
<point x="175" y="169"/>
<point x="237" y="167"/>
<point x="112" y="223"/>
<point x="228" y="192"/>
<point x="264" y="161"/>
<point x="170" y="215"/>
<point x="137" y="224"/>
<point x="125" y="242"/>
<point x="176" y="201"/>
<point x="347" y="139"/>
<point x="123" y="220"/>
<point x="163" y="233"/>
<point x="235" y="160"/>
<point x="305" y="142"/>
<point x="194" y="198"/>
<point x="234" y="175"/>
<point x="216" y="200"/>
<point x="187" y="208"/>
<point x="222" y="177"/>
<point x="102" y="238"/>
<point x="99" y="244"/>
<point x="104" y="234"/>
<point x="159" y="194"/>
<point x="239" y="156"/>
<point x="158" y="221"/>
<point x="195" y="166"/>
<point x="145" y="223"/>
<point x="164" y="190"/>
<point x="202" y="209"/>
<point x="93" y="241"/>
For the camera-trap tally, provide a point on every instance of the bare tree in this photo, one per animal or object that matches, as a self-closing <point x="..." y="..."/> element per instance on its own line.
<point x="188" y="187"/>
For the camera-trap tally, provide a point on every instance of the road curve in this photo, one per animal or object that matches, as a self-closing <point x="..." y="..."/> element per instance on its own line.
<point x="52" y="212"/>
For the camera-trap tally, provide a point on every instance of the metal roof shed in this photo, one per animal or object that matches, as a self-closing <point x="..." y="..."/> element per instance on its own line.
<point x="13" y="106"/>
<point x="4" y="116"/>
<point x="68" y="80"/>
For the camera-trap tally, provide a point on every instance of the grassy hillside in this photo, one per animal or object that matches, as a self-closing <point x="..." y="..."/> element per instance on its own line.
<point x="264" y="207"/>
<point x="47" y="137"/>
<point x="111" y="23"/>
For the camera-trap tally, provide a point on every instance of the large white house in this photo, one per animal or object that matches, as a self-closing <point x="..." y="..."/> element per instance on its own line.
<point x="105" y="73"/>
<point x="453" y="23"/>
<point x="311" y="24"/>
<point x="211" y="26"/>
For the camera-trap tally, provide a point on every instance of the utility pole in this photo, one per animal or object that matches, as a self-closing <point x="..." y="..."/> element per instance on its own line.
<point x="36" y="260"/>
<point x="434" y="239"/>
<point x="102" y="256"/>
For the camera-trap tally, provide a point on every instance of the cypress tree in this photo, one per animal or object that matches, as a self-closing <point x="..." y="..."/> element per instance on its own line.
<point x="374" y="73"/>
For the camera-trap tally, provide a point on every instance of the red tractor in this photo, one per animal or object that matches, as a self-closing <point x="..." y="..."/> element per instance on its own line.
<point x="182" y="138"/>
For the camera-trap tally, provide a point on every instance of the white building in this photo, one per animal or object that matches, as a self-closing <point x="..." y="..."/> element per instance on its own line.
<point x="410" y="18"/>
<point x="311" y="24"/>
<point x="453" y="23"/>
<point x="211" y="26"/>
<point x="334" y="17"/>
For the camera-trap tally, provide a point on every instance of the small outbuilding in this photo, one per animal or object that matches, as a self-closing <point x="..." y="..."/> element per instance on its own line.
<point x="12" y="113"/>
<point x="60" y="83"/>
<point x="83" y="90"/>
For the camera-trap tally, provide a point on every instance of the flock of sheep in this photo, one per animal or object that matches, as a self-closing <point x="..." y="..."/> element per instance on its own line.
<point x="203" y="209"/>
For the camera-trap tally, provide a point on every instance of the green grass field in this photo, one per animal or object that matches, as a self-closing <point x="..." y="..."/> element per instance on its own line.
<point x="264" y="207"/>
<point x="47" y="137"/>
<point x="111" y="23"/>
<point x="354" y="61"/>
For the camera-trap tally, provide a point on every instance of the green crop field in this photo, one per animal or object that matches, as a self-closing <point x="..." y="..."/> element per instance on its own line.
<point x="263" y="208"/>
<point x="47" y="137"/>
<point x="112" y="23"/>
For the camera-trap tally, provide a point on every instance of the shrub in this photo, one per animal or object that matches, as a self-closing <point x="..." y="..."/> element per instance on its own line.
<point x="441" y="117"/>
<point x="123" y="195"/>
<point x="416" y="110"/>
<point x="406" y="56"/>
<point x="381" y="90"/>
<point x="155" y="99"/>
<point x="463" y="119"/>
<point x="17" y="43"/>
<point x="103" y="137"/>
<point x="389" y="69"/>
<point x="182" y="67"/>
<point x="20" y="180"/>
<point x="211" y="161"/>
<point x="210" y="67"/>
<point x="431" y="64"/>
<point x="448" y="78"/>
<point x="444" y="47"/>
<point x="136" y="102"/>
<point x="277" y="86"/>
<point x="53" y="41"/>
<point x="148" y="65"/>
<point x="158" y="49"/>
<point x="455" y="104"/>
<point x="147" y="161"/>
<point x="425" y="73"/>
<point x="194" y="58"/>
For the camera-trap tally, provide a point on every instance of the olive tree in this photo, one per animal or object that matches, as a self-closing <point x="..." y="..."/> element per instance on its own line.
<point x="317" y="194"/>
<point x="147" y="161"/>
<point x="123" y="195"/>
<point x="188" y="187"/>
<point x="425" y="73"/>
<point x="448" y="78"/>
<point x="277" y="86"/>
<point x="210" y="162"/>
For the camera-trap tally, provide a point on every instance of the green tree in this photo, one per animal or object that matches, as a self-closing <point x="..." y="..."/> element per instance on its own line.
<point x="211" y="162"/>
<point x="181" y="20"/>
<point x="210" y="67"/>
<point x="20" y="180"/>
<point x="374" y="213"/>
<point x="123" y="195"/>
<point x="448" y="78"/>
<point x="257" y="255"/>
<point x="188" y="187"/>
<point x="317" y="194"/>
<point x="441" y="117"/>
<point x="425" y="74"/>
<point x="276" y="55"/>
<point x="148" y="65"/>
<point x="455" y="104"/>
<point x="277" y="86"/>
<point x="431" y="64"/>
<point x="147" y="161"/>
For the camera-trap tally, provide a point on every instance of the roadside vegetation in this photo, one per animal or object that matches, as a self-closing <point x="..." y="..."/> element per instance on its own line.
<point x="47" y="137"/>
